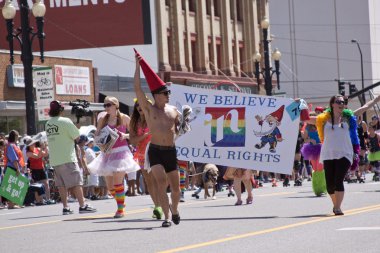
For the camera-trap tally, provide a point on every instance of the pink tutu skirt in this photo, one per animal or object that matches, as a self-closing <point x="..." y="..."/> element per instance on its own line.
<point x="310" y="151"/>
<point x="120" y="159"/>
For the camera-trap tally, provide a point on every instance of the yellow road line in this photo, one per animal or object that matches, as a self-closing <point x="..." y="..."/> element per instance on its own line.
<point x="274" y="194"/>
<point x="270" y="230"/>
<point x="131" y="212"/>
<point x="32" y="224"/>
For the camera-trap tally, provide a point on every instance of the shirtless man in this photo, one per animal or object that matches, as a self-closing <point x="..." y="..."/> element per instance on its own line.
<point x="162" y="120"/>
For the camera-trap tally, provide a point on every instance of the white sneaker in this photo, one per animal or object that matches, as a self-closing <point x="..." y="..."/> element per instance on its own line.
<point x="71" y="200"/>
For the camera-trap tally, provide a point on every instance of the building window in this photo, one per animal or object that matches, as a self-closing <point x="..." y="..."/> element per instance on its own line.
<point x="232" y="9"/>
<point x="183" y="5"/>
<point x="170" y="52"/>
<point x="216" y="8"/>
<point x="194" y="55"/>
<point x="192" y="5"/>
<point x="208" y="7"/>
<point x="9" y="123"/>
<point x="239" y="11"/>
<point x="218" y="57"/>
<point x="167" y="2"/>
<point x="211" y="57"/>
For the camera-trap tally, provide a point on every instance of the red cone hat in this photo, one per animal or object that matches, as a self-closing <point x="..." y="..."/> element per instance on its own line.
<point x="154" y="81"/>
<point x="279" y="113"/>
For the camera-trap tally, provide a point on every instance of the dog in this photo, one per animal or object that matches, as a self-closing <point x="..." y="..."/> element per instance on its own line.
<point x="209" y="178"/>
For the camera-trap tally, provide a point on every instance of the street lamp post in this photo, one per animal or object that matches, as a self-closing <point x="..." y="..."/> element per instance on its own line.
<point x="267" y="72"/>
<point x="26" y="40"/>
<point x="361" y="66"/>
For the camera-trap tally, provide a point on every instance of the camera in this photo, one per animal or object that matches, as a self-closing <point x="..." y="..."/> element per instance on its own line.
<point x="79" y="108"/>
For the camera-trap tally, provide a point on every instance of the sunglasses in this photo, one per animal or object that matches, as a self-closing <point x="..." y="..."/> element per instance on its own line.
<point x="107" y="105"/>
<point x="339" y="102"/>
<point x="166" y="93"/>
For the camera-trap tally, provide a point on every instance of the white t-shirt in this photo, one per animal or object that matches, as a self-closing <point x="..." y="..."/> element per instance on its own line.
<point x="337" y="143"/>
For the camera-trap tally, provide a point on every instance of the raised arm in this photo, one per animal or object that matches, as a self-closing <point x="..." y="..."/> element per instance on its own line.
<point x="367" y="106"/>
<point x="144" y="104"/>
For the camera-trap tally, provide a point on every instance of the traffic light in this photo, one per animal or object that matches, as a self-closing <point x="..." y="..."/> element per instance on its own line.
<point x="341" y="88"/>
<point x="353" y="88"/>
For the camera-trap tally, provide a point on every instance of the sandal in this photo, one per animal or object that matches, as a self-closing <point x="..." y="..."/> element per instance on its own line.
<point x="337" y="212"/>
<point x="249" y="201"/>
<point x="239" y="203"/>
<point x="166" y="223"/>
<point x="176" y="218"/>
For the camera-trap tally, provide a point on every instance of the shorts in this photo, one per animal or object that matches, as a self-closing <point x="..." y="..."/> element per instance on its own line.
<point x="131" y="176"/>
<point x="92" y="180"/>
<point x="39" y="175"/>
<point x="163" y="155"/>
<point x="102" y="181"/>
<point x="68" y="175"/>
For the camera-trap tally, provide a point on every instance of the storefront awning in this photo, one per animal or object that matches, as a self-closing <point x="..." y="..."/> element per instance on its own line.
<point x="20" y="105"/>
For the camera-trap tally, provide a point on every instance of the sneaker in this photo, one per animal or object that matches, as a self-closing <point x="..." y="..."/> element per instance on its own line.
<point x="94" y="197"/>
<point x="71" y="200"/>
<point x="157" y="211"/>
<point x="43" y="203"/>
<point x="166" y="223"/>
<point x="87" y="209"/>
<point x="176" y="218"/>
<point x="50" y="202"/>
<point x="119" y="215"/>
<point x="67" y="211"/>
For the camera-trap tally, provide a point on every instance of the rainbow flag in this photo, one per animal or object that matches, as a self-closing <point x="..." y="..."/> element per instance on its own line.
<point x="227" y="126"/>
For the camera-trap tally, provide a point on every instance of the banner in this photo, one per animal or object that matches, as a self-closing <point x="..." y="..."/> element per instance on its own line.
<point x="75" y="24"/>
<point x="72" y="80"/>
<point x="236" y="129"/>
<point x="43" y="81"/>
<point x="14" y="188"/>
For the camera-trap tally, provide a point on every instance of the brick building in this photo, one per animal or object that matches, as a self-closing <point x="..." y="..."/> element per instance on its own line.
<point x="12" y="99"/>
<point x="203" y="43"/>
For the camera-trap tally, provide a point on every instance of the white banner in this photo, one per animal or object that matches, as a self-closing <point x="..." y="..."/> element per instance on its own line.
<point x="72" y="80"/>
<point x="43" y="81"/>
<point x="236" y="129"/>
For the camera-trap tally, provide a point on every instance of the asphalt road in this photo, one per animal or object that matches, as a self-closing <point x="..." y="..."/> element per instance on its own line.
<point x="279" y="220"/>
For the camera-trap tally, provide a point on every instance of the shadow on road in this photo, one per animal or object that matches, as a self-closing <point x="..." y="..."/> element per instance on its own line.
<point x="309" y="216"/>
<point x="231" y="218"/>
<point x="304" y="197"/>
<point x="115" y="230"/>
<point x="36" y="217"/>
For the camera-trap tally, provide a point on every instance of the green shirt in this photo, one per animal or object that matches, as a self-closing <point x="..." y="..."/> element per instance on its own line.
<point x="61" y="133"/>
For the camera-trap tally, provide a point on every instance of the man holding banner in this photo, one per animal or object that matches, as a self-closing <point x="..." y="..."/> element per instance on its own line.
<point x="162" y="120"/>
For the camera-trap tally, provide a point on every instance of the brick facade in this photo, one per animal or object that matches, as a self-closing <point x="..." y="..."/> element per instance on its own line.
<point x="18" y="94"/>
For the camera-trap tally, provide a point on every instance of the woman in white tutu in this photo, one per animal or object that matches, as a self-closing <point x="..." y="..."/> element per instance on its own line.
<point x="119" y="160"/>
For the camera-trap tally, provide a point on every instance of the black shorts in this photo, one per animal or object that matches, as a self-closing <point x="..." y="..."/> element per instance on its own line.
<point x="163" y="155"/>
<point x="38" y="175"/>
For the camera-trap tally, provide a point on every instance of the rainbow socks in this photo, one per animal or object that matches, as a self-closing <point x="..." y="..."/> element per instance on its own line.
<point x="120" y="197"/>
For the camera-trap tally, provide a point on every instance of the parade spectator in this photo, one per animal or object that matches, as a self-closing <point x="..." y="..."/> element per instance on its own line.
<point x="62" y="133"/>
<point x="92" y="179"/>
<point x="13" y="159"/>
<point x="119" y="161"/>
<point x="2" y="146"/>
<point x="337" y="129"/>
<point x="161" y="151"/>
<point x="36" y="165"/>
<point x="374" y="152"/>
<point x="81" y="156"/>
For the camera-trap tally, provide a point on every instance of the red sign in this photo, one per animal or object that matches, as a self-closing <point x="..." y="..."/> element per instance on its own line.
<point x="75" y="24"/>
